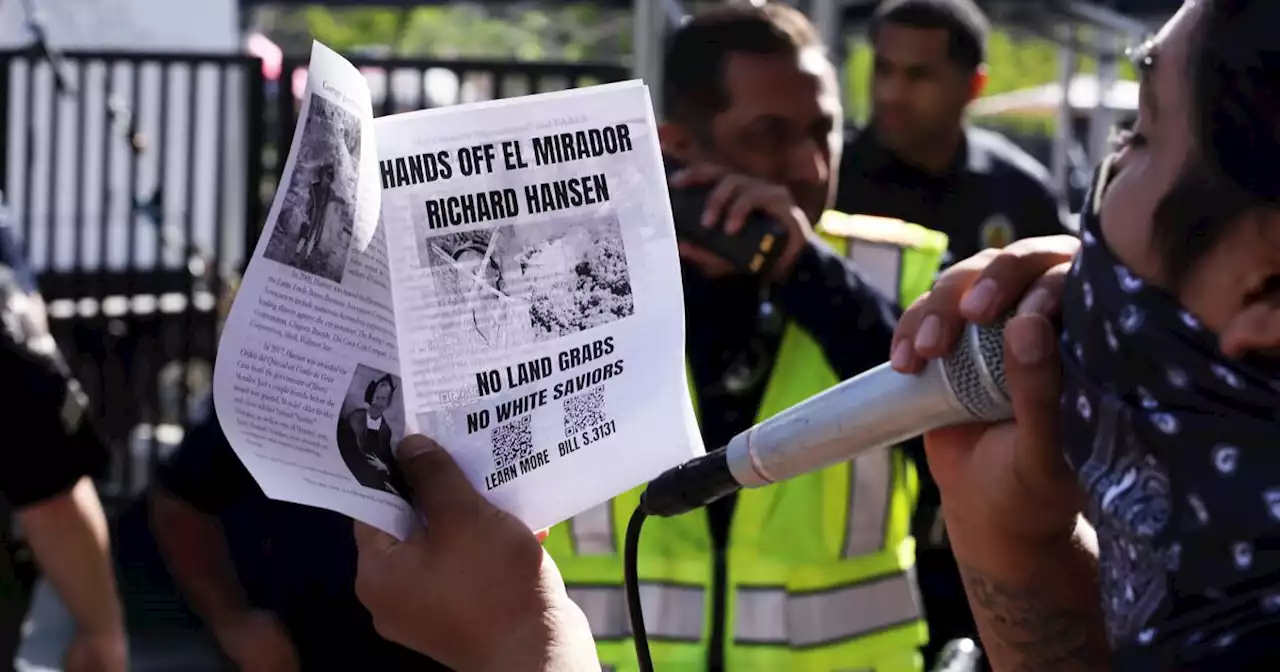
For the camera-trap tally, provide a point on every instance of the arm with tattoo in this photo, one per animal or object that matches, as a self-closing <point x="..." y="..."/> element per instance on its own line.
<point x="1037" y="606"/>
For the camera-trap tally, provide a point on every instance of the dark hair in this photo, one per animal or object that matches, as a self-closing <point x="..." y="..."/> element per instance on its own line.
<point x="373" y="387"/>
<point x="693" y="67"/>
<point x="1236" y="85"/>
<point x="1235" y="163"/>
<point x="966" y="25"/>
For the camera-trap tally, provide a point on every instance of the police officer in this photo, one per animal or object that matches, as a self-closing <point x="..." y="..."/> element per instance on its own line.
<point x="917" y="160"/>
<point x="753" y="118"/>
<point x="49" y="508"/>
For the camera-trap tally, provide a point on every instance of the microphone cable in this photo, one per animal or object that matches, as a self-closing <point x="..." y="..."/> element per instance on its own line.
<point x="681" y="489"/>
<point x="631" y="577"/>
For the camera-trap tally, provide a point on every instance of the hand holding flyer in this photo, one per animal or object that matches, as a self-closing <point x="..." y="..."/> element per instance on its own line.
<point x="502" y="277"/>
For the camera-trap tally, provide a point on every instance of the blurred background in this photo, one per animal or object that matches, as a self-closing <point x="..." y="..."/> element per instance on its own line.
<point x="142" y="139"/>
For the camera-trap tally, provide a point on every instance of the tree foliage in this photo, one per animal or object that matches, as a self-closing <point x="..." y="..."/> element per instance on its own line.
<point x="581" y="31"/>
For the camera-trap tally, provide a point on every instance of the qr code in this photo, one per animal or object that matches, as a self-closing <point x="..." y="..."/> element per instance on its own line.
<point x="512" y="441"/>
<point x="584" y="411"/>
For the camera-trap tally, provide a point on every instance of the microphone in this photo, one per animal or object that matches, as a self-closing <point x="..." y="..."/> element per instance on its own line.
<point x="877" y="408"/>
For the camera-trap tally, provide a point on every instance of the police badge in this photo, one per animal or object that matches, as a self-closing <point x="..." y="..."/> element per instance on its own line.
<point x="997" y="231"/>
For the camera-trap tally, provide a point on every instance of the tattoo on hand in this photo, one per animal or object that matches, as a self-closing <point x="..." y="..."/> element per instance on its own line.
<point x="1041" y="633"/>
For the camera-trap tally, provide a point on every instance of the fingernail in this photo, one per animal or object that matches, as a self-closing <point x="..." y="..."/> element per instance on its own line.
<point x="1038" y="302"/>
<point x="979" y="298"/>
<point x="707" y="219"/>
<point x="900" y="358"/>
<point x="414" y="446"/>
<point x="930" y="333"/>
<point x="1028" y="341"/>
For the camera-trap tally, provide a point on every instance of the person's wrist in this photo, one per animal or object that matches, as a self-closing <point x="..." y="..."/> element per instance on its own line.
<point x="556" y="637"/>
<point x="1007" y="534"/>
<point x="794" y="257"/>
<point x="227" y="625"/>
<point x="107" y="626"/>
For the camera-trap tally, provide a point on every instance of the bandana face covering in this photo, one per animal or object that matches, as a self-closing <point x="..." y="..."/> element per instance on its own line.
<point x="1177" y="448"/>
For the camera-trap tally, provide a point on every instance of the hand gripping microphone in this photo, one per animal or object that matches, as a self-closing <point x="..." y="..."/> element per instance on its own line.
<point x="878" y="408"/>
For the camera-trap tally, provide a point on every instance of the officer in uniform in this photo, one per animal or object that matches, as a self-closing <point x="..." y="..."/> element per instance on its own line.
<point x="815" y="573"/>
<point x="917" y="160"/>
<point x="51" y="521"/>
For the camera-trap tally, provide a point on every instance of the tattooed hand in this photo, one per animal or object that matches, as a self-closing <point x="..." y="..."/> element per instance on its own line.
<point x="1009" y="499"/>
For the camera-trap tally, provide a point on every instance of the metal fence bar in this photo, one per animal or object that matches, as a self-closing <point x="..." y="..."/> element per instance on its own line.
<point x="29" y="144"/>
<point x="255" y="212"/>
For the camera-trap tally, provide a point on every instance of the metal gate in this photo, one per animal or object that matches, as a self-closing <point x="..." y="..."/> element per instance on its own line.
<point x="140" y="182"/>
<point x="128" y="176"/>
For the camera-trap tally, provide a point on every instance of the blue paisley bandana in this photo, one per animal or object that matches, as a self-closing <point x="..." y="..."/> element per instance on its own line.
<point x="1178" y="450"/>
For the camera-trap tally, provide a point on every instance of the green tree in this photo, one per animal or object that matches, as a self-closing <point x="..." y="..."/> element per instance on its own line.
<point x="565" y="32"/>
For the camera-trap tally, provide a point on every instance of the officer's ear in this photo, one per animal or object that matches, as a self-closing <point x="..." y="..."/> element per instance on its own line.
<point x="978" y="84"/>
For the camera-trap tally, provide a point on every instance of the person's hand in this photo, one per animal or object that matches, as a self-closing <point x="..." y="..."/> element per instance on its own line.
<point x="1009" y="478"/>
<point x="472" y="588"/>
<point x="97" y="653"/>
<point x="735" y="197"/>
<point x="256" y="641"/>
<point x="376" y="462"/>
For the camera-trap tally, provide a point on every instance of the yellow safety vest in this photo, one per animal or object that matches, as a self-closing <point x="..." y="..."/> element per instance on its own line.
<point x="819" y="568"/>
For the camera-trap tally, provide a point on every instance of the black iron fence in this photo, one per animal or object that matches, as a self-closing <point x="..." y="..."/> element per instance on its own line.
<point x="128" y="177"/>
<point x="140" y="181"/>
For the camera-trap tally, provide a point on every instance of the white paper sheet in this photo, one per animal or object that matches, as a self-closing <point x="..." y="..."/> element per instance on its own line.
<point x="502" y="277"/>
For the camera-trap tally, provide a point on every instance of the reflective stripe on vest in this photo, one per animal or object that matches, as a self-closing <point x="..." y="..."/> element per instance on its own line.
<point x="868" y="510"/>
<point x="897" y="258"/>
<point x="880" y="265"/>
<point x="591" y="532"/>
<point x="670" y="612"/>
<point x="775" y="616"/>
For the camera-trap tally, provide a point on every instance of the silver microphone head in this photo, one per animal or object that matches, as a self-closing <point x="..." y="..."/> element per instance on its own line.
<point x="974" y="372"/>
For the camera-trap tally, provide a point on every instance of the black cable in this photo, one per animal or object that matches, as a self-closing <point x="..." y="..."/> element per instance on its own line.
<point x="631" y="576"/>
<point x="681" y="489"/>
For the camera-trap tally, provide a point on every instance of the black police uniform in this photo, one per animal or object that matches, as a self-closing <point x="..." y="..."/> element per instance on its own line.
<point x="49" y="442"/>
<point x="993" y="194"/>
<point x="297" y="561"/>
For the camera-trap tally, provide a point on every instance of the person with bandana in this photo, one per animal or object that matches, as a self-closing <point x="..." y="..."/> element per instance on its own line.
<point x="1133" y="521"/>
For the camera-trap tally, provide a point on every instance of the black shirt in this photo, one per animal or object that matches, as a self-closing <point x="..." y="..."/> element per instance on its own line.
<point x="993" y="194"/>
<point x="295" y="560"/>
<point x="50" y="440"/>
